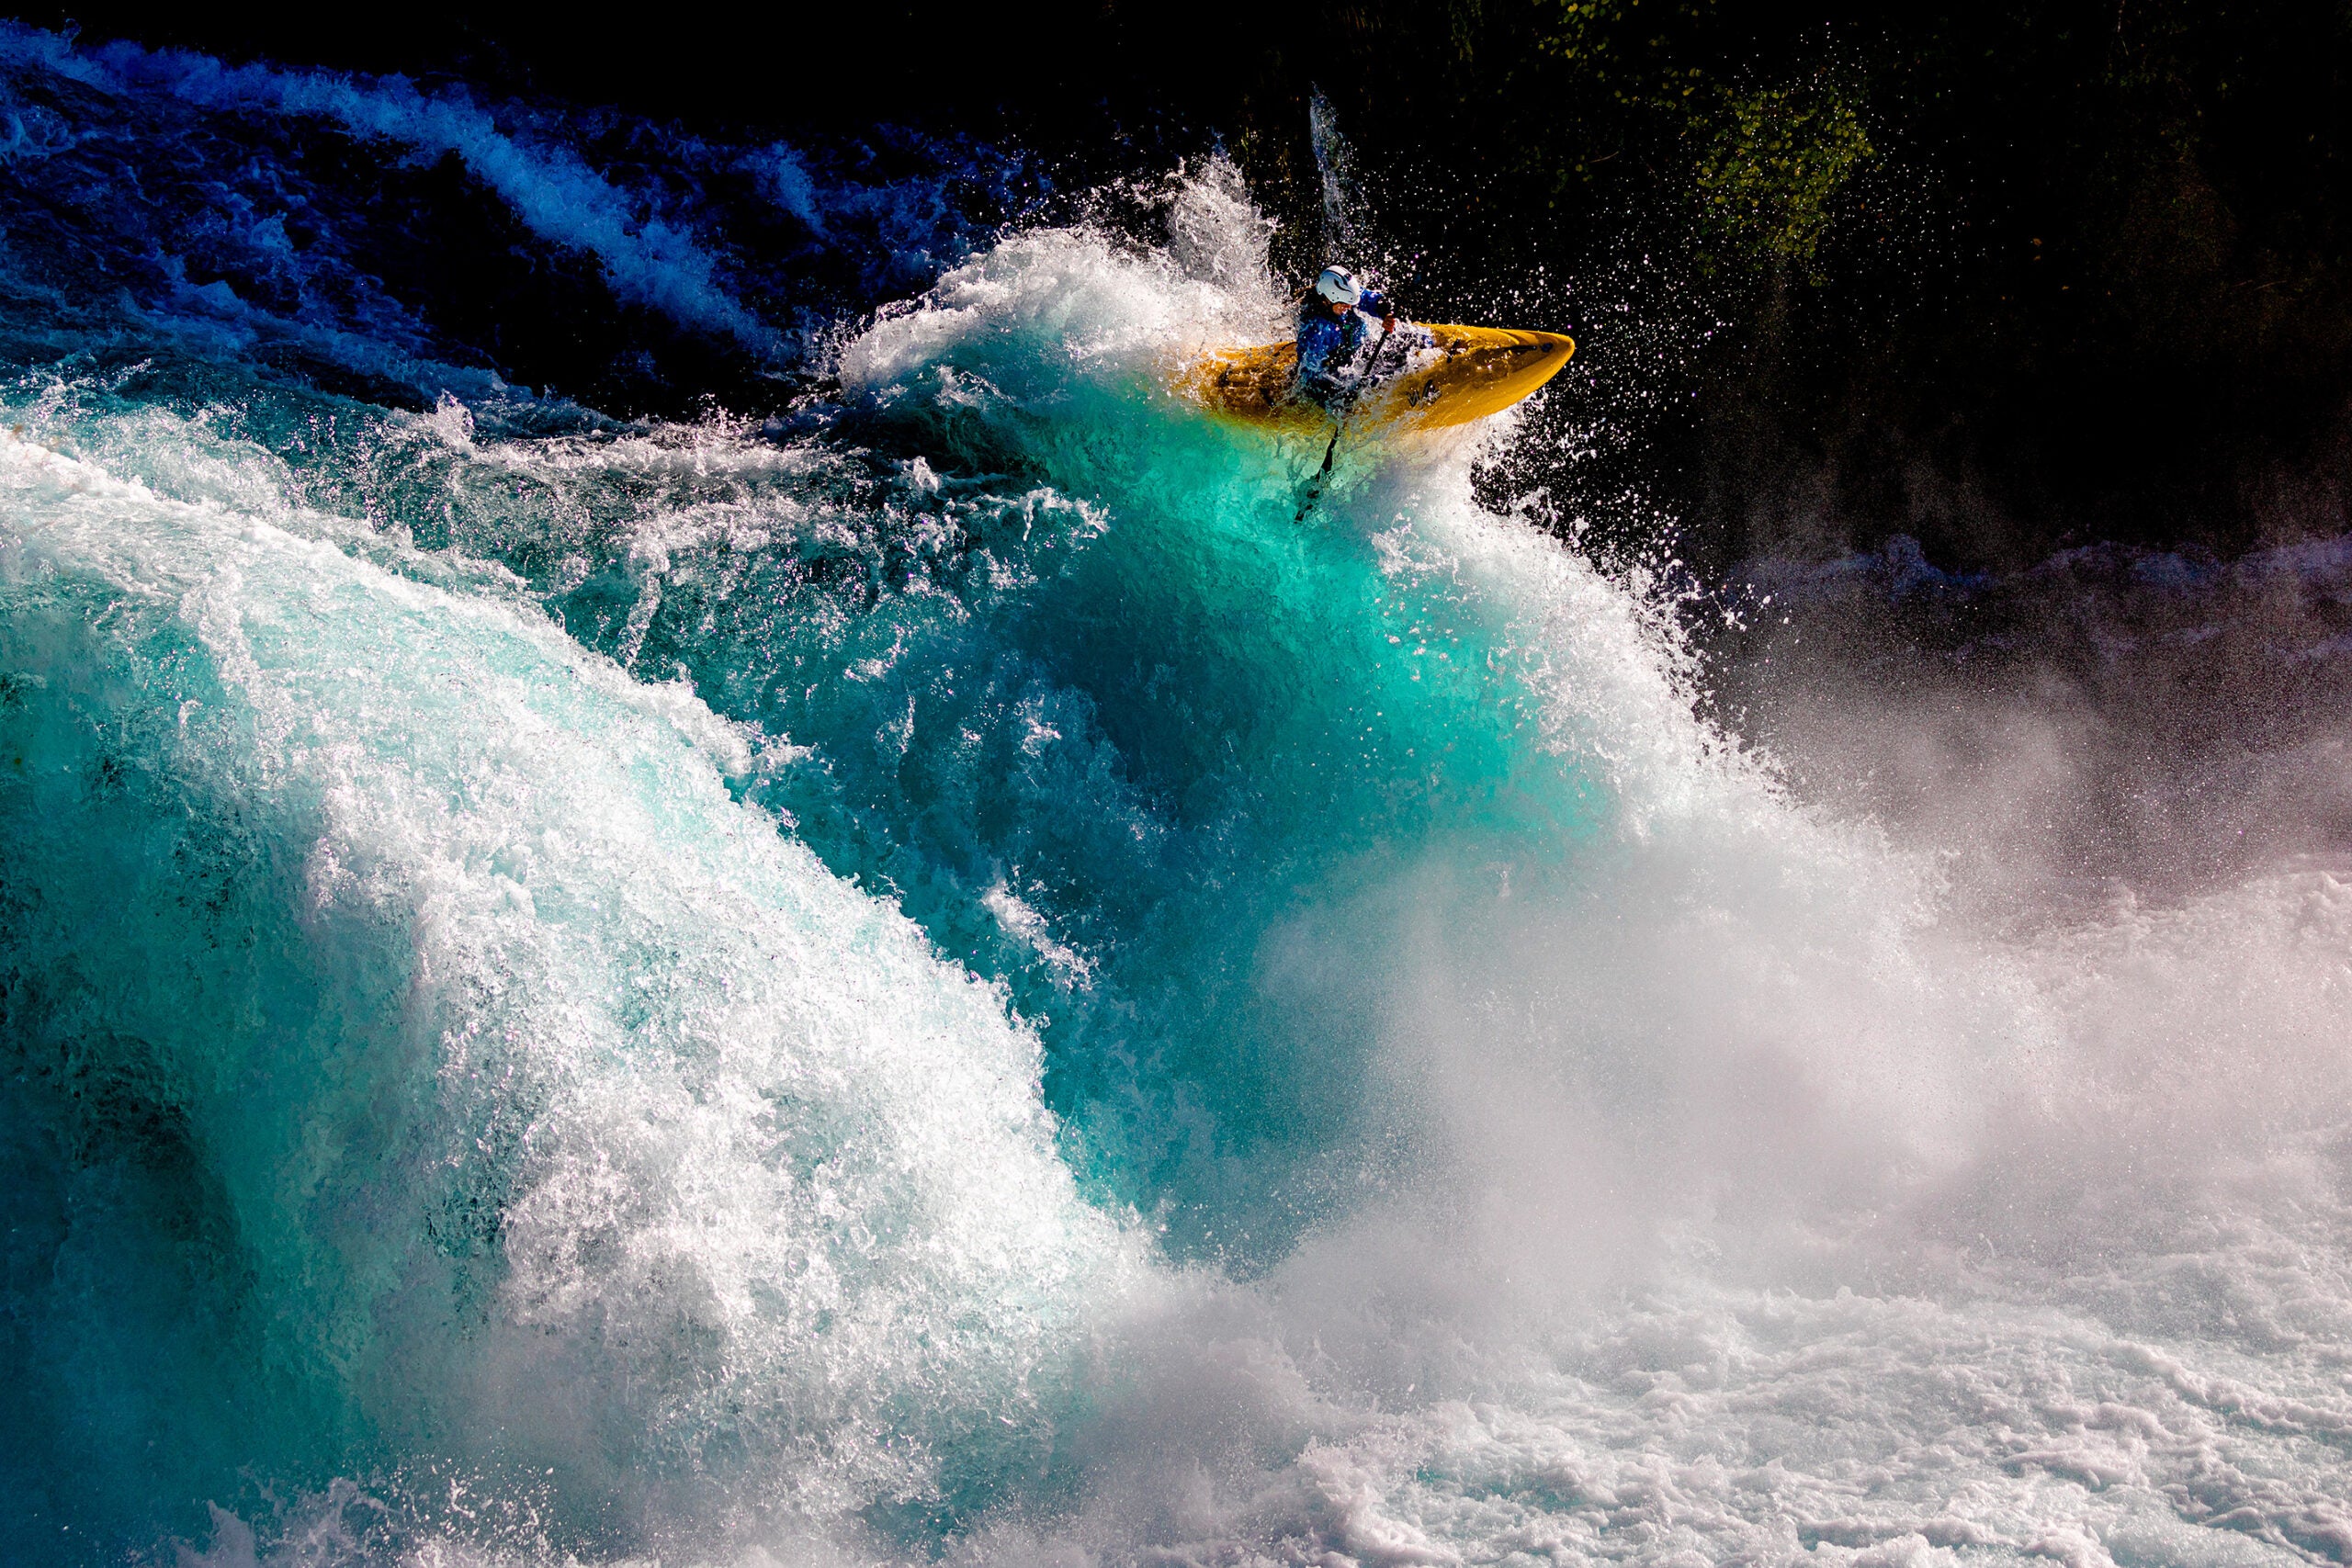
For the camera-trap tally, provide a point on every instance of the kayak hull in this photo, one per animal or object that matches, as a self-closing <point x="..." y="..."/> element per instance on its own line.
<point x="1451" y="375"/>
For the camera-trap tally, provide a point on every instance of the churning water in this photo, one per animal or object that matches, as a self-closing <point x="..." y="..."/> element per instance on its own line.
<point x="934" y="976"/>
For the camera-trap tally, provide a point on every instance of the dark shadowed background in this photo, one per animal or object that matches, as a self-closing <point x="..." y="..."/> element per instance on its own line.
<point x="2003" y="279"/>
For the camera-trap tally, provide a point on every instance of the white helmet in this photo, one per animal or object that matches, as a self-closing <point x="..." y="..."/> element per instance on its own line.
<point x="1338" y="285"/>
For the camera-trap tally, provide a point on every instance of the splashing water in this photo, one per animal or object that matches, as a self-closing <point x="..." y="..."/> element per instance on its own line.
<point x="933" y="977"/>
<point x="1335" y="162"/>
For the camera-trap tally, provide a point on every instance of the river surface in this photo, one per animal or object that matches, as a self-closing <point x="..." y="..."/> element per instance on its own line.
<point x="689" y="878"/>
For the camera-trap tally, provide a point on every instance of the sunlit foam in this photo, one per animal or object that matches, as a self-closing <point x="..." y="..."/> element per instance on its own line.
<point x="1491" y="1115"/>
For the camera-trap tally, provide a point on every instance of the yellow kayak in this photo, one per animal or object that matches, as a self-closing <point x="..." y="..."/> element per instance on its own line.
<point x="1448" y="376"/>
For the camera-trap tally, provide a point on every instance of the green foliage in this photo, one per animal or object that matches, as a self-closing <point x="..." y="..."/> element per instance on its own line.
<point x="1769" y="161"/>
<point x="1584" y="32"/>
<point x="1667" y="79"/>
<point x="1627" y="51"/>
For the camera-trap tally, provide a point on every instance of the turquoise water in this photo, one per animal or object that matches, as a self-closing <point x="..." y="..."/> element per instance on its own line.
<point x="932" y="974"/>
<point x="583" y="845"/>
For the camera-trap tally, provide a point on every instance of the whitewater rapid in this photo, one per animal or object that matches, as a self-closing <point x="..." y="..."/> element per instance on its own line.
<point x="934" y="976"/>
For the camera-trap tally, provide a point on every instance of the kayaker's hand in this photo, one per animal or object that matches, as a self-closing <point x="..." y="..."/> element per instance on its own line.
<point x="1388" y="324"/>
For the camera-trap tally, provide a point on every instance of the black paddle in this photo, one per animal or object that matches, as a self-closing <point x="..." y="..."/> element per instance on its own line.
<point x="1339" y="425"/>
<point x="1314" y="485"/>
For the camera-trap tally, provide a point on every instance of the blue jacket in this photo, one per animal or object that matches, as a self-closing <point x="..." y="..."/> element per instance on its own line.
<point x="1332" y="350"/>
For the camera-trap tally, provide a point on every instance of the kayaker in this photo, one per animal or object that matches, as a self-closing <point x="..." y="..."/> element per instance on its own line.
<point x="1334" y="335"/>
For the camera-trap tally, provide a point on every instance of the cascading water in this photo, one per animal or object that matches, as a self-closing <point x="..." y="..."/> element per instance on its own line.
<point x="933" y="975"/>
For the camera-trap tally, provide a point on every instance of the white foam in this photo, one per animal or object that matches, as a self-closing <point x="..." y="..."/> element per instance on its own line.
<point x="781" y="1183"/>
<point x="1745" y="1201"/>
<point x="1757" y="1203"/>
